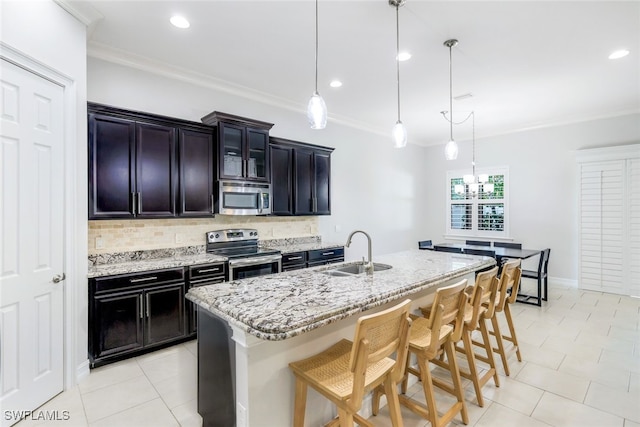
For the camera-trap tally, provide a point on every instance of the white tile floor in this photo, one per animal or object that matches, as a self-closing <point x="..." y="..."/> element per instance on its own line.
<point x="581" y="367"/>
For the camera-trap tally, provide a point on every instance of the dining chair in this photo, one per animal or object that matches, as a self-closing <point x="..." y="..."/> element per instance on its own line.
<point x="541" y="275"/>
<point x="477" y="243"/>
<point x="509" y="245"/>
<point x="429" y="339"/>
<point x="425" y="244"/>
<point x="447" y="249"/>
<point x="343" y="372"/>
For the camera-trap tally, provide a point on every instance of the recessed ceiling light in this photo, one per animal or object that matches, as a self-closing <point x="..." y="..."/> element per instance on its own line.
<point x="619" y="54"/>
<point x="335" y="83"/>
<point x="403" y="56"/>
<point x="179" y="21"/>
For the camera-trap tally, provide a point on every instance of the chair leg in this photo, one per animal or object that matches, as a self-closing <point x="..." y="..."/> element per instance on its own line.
<point x="512" y="330"/>
<point x="300" y="403"/>
<point x="500" y="350"/>
<point x="392" y="400"/>
<point x="457" y="382"/>
<point x="427" y="386"/>
<point x="539" y="291"/>
<point x="489" y="351"/>
<point x="544" y="297"/>
<point x="346" y="418"/>
<point x="473" y="370"/>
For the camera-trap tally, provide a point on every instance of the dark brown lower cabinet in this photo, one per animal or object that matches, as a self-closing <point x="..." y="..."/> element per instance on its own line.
<point x="132" y="314"/>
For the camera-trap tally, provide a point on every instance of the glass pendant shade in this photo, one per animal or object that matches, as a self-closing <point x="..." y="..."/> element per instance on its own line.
<point x="482" y="178"/>
<point x="459" y="189"/>
<point x="317" y="112"/>
<point x="473" y="188"/>
<point x="487" y="188"/>
<point x="469" y="179"/>
<point x="399" y="135"/>
<point x="451" y="150"/>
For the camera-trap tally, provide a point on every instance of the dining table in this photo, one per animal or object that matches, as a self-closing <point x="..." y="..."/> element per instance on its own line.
<point x="500" y="255"/>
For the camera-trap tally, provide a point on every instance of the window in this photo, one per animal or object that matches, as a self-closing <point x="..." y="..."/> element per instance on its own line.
<point x="478" y="215"/>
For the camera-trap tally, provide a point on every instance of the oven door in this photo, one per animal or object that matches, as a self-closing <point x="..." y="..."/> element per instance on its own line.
<point x="243" y="268"/>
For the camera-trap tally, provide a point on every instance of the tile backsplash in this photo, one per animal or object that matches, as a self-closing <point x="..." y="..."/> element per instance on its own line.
<point x="108" y="236"/>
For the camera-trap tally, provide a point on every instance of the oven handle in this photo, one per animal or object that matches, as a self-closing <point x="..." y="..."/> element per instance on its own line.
<point x="254" y="260"/>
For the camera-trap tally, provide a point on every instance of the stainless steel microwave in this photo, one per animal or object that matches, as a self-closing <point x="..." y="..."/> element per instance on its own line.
<point x="244" y="198"/>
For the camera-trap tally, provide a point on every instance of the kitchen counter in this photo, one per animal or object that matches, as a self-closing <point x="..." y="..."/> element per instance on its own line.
<point x="152" y="264"/>
<point x="250" y="330"/>
<point x="281" y="306"/>
<point x="287" y="248"/>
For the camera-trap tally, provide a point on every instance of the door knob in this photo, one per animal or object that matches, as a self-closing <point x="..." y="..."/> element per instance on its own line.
<point x="59" y="278"/>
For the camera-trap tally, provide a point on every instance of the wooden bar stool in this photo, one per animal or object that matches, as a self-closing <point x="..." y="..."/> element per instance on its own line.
<point x="345" y="371"/>
<point x="481" y="299"/>
<point x="507" y="294"/>
<point x="429" y="338"/>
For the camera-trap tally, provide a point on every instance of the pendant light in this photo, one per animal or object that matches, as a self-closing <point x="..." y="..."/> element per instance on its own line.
<point x="399" y="131"/>
<point x="451" y="149"/>
<point x="476" y="183"/>
<point x="317" y="109"/>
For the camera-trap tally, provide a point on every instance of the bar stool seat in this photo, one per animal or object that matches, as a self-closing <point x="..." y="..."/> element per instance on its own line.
<point x="346" y="370"/>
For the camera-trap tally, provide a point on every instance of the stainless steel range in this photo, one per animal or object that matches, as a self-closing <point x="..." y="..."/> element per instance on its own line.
<point x="246" y="259"/>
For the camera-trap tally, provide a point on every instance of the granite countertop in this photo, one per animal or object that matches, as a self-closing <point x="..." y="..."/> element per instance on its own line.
<point x="281" y="306"/>
<point x="287" y="248"/>
<point x="137" y="266"/>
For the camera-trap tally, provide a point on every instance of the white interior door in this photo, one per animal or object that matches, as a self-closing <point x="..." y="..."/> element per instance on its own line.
<point x="31" y="248"/>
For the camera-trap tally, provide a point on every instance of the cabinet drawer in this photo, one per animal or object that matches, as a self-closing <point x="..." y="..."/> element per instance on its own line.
<point x="294" y="258"/>
<point x="111" y="283"/>
<point x="326" y="254"/>
<point x="203" y="271"/>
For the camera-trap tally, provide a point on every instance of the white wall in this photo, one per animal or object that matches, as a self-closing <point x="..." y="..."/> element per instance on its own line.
<point x="543" y="179"/>
<point x="47" y="34"/>
<point x="374" y="187"/>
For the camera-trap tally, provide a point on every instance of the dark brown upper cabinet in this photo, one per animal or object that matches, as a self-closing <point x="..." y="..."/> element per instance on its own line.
<point x="243" y="147"/>
<point x="148" y="166"/>
<point x="301" y="178"/>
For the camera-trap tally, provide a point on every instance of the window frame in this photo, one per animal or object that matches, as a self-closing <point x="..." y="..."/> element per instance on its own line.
<point x="474" y="202"/>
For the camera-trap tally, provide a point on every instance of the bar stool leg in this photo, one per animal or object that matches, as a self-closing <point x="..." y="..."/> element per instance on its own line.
<point x="501" y="350"/>
<point x="512" y="330"/>
<point x="457" y="382"/>
<point x="300" y="403"/>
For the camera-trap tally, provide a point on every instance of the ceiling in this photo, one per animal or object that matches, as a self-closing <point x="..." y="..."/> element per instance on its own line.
<point x="526" y="63"/>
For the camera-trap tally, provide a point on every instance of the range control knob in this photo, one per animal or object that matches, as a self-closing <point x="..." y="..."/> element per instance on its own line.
<point x="217" y="235"/>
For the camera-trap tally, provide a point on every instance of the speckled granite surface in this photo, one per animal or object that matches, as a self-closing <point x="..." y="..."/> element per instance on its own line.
<point x="298" y="244"/>
<point x="147" y="264"/>
<point x="281" y="306"/>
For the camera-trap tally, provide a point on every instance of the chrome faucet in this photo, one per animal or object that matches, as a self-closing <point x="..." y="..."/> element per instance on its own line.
<point x="369" y="266"/>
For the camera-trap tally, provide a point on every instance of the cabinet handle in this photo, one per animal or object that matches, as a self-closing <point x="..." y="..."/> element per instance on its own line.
<point x="212" y="205"/>
<point x="315" y="204"/>
<point x="293" y="258"/>
<point x="244" y="168"/>
<point x="143" y="279"/>
<point x="141" y="307"/>
<point x="208" y="270"/>
<point x="147" y="297"/>
<point x="327" y="253"/>
<point x="133" y="203"/>
<point x="139" y="203"/>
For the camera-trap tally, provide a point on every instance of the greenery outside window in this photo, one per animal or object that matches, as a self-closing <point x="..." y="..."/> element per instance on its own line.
<point x="478" y="215"/>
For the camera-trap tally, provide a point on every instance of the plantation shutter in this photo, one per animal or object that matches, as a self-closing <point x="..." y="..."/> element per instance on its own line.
<point x="610" y="220"/>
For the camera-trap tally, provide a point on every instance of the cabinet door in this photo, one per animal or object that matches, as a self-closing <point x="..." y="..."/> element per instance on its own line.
<point x="164" y="314"/>
<point x="117" y="323"/>
<point x="231" y="142"/>
<point x="196" y="170"/>
<point x="322" y="175"/>
<point x="303" y="182"/>
<point x="257" y="155"/>
<point x="282" y="180"/>
<point x="111" y="162"/>
<point x="156" y="178"/>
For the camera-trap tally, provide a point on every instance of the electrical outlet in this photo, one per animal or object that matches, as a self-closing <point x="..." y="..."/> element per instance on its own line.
<point x="179" y="238"/>
<point x="338" y="228"/>
<point x="99" y="243"/>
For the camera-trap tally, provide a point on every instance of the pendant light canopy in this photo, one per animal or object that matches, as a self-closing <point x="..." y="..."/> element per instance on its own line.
<point x="399" y="131"/>
<point x="317" y="109"/>
<point x="451" y="149"/>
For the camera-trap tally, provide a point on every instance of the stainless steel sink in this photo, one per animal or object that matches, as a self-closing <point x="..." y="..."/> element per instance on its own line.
<point x="352" y="269"/>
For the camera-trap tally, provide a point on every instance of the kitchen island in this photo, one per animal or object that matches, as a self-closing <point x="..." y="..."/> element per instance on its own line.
<point x="249" y="330"/>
